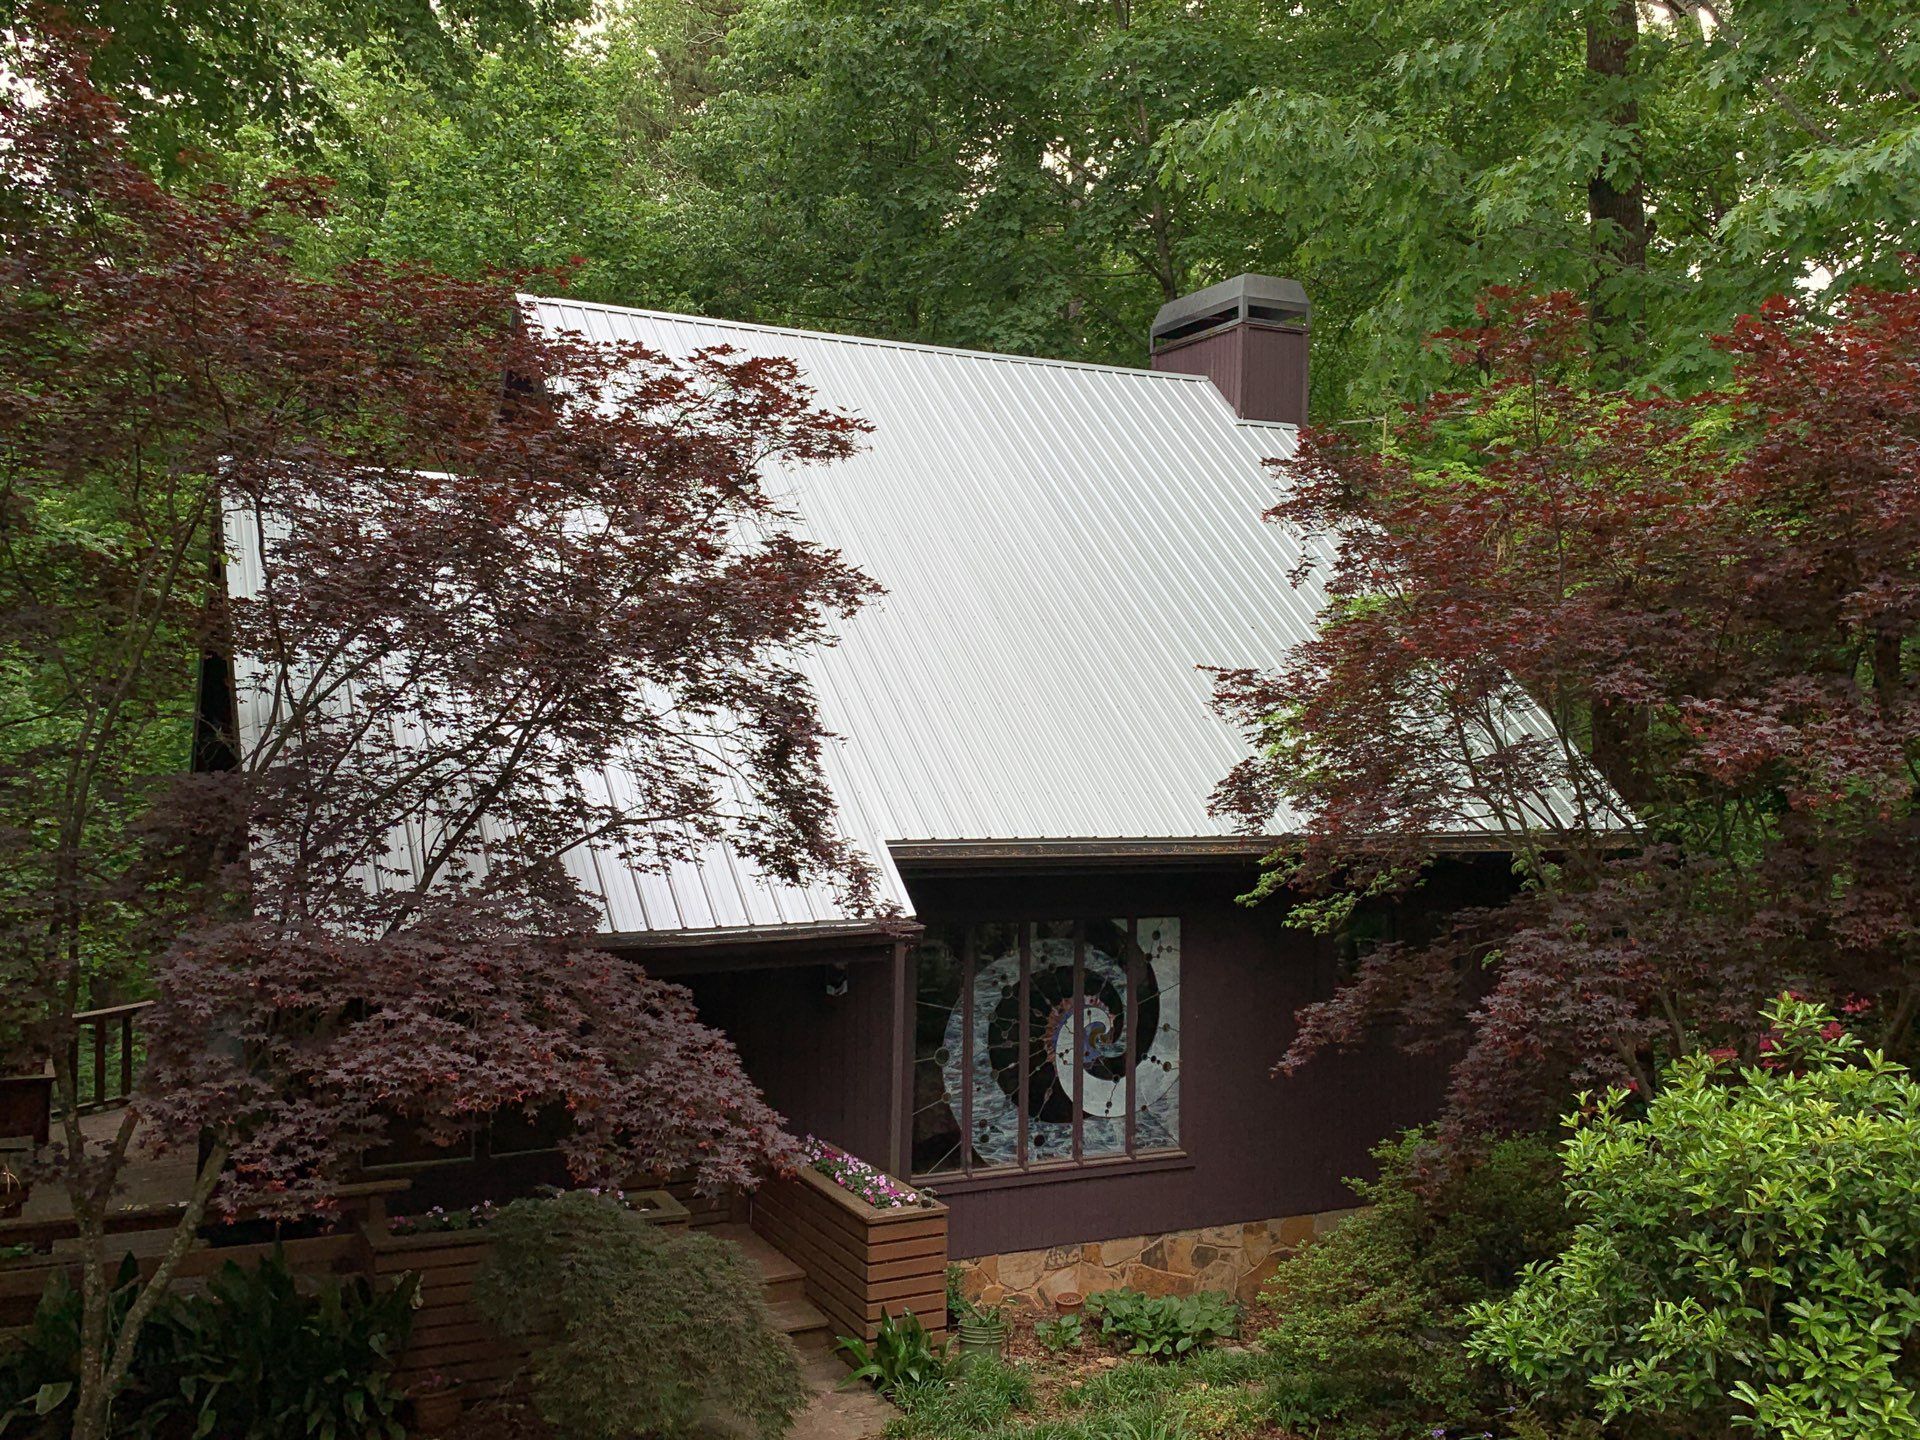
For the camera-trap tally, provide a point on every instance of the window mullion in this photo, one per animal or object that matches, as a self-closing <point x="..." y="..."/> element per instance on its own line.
<point x="967" y="950"/>
<point x="1079" y="1029"/>
<point x="1026" y="1040"/>
<point x="1133" y="1024"/>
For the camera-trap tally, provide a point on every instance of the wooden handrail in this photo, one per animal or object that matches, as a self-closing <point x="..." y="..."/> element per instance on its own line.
<point x="112" y="1084"/>
<point x="371" y="1195"/>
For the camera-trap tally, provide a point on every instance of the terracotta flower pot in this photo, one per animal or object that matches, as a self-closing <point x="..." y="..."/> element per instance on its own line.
<point x="438" y="1411"/>
<point x="1068" y="1302"/>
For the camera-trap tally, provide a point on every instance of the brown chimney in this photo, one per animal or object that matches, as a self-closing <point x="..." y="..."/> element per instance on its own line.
<point x="1249" y="336"/>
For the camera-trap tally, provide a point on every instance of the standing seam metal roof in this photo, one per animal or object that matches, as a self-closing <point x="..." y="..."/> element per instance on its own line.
<point x="1062" y="544"/>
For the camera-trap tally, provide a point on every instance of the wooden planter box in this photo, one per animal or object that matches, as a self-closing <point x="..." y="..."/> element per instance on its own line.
<point x="26" y="1106"/>
<point x="450" y="1335"/>
<point x="861" y="1263"/>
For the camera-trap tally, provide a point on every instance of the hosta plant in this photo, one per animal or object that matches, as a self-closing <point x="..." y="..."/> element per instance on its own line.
<point x="1060" y="1334"/>
<point x="1163" y="1326"/>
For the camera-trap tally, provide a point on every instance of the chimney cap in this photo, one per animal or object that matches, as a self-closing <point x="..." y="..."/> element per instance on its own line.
<point x="1231" y="302"/>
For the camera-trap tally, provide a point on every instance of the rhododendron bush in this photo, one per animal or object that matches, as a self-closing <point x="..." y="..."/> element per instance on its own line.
<point x="1746" y="1251"/>
<point x="475" y="591"/>
<point x="1715" y="600"/>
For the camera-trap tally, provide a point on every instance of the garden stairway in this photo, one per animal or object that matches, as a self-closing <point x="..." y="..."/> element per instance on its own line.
<point x="785" y="1285"/>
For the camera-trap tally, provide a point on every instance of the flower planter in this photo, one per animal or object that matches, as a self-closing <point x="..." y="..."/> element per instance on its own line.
<point x="862" y="1262"/>
<point x="1069" y="1302"/>
<point x="982" y="1340"/>
<point x="26" y="1106"/>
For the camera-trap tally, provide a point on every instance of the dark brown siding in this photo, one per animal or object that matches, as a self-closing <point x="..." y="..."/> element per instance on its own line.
<point x="1258" y="1146"/>
<point x="823" y="1061"/>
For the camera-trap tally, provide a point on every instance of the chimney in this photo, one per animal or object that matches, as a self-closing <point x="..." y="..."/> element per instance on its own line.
<point x="1249" y="336"/>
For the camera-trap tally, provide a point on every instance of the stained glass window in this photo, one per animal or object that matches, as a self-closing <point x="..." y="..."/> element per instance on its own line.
<point x="1040" y="1042"/>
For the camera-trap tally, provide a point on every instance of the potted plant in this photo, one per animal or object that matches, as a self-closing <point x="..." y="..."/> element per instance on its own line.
<point x="436" y="1403"/>
<point x="13" y="1190"/>
<point x="983" y="1332"/>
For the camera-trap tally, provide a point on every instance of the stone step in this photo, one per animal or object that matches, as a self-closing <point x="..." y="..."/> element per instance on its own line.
<point x="784" y="1279"/>
<point x="785" y="1285"/>
<point x="802" y="1324"/>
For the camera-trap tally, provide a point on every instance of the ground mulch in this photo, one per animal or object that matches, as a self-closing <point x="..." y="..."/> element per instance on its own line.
<point x="502" y="1420"/>
<point x="1056" y="1373"/>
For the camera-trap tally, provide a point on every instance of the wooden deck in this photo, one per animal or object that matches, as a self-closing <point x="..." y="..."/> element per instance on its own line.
<point x="149" y="1179"/>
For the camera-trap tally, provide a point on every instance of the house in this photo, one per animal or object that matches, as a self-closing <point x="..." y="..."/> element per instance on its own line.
<point x="1026" y="753"/>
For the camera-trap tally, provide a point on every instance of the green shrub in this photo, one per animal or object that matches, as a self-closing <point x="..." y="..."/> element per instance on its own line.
<point x="1747" y="1254"/>
<point x="40" y="1366"/>
<point x="259" y="1355"/>
<point x="1370" y="1328"/>
<point x="900" y="1357"/>
<point x="1163" y="1326"/>
<point x="636" y="1329"/>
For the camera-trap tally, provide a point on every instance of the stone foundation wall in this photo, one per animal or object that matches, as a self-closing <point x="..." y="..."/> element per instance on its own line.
<point x="1235" y="1258"/>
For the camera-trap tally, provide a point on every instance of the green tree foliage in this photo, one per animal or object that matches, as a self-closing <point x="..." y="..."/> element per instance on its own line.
<point x="950" y="170"/>
<point x="1370" y="1325"/>
<point x="635" y="1329"/>
<point x="1748" y="1250"/>
<point x="1040" y="175"/>
<point x="1415" y="153"/>
<point x="545" y="160"/>
<point x="191" y="73"/>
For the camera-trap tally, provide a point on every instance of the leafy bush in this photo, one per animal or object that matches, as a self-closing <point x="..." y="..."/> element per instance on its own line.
<point x="39" y="1368"/>
<point x="1163" y="1326"/>
<point x="1747" y="1253"/>
<point x="636" y="1328"/>
<point x="1370" y="1319"/>
<point x="258" y="1356"/>
<point x="901" y="1356"/>
<point x="1060" y="1334"/>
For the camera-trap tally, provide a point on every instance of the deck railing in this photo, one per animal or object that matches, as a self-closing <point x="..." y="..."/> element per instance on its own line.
<point x="106" y="1053"/>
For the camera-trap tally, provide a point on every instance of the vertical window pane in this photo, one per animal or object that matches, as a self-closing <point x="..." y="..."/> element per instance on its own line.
<point x="1000" y="1061"/>
<point x="1157" y="1036"/>
<point x="995" y="1067"/>
<point x="937" y="1053"/>
<point x="1050" y="1025"/>
<point x="1103" y="1051"/>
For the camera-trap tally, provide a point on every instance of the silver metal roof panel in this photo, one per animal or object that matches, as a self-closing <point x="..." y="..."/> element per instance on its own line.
<point x="1062" y="544"/>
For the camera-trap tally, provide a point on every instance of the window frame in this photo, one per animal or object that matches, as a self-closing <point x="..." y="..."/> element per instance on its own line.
<point x="1025" y="1168"/>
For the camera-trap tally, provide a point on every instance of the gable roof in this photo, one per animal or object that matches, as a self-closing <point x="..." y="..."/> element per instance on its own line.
<point x="711" y="893"/>
<point x="1062" y="546"/>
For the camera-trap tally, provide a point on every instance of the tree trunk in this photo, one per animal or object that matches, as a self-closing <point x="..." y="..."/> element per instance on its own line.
<point x="1616" y="193"/>
<point x="103" y="1373"/>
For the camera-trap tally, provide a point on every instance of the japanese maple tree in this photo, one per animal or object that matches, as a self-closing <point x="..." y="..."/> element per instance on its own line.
<point x="1715" y="600"/>
<point x="504" y="593"/>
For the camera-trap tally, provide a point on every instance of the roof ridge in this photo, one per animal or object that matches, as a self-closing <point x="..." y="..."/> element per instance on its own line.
<point x="846" y="339"/>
